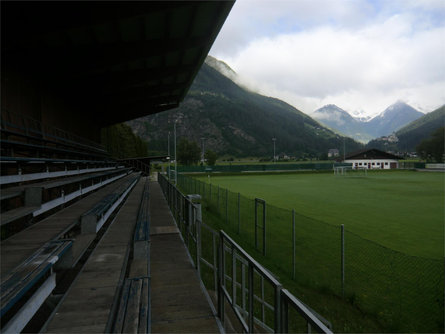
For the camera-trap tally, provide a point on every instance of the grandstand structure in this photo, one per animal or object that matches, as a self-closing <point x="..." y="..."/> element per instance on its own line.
<point x="88" y="243"/>
<point x="74" y="221"/>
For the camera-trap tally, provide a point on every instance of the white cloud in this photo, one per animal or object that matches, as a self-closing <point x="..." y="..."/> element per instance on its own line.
<point x="349" y="53"/>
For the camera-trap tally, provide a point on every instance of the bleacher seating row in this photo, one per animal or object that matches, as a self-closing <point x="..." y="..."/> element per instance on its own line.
<point x="134" y="309"/>
<point x="93" y="220"/>
<point x="36" y="277"/>
<point x="21" y="169"/>
<point x="31" y="200"/>
<point x="133" y="314"/>
<point x="28" y="134"/>
<point x="44" y="192"/>
<point x="60" y="196"/>
<point x="32" y="284"/>
<point x="142" y="231"/>
<point x="121" y="282"/>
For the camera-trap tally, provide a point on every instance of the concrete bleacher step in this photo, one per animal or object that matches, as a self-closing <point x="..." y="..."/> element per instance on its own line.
<point x="34" y="193"/>
<point x="21" y="245"/>
<point x="16" y="214"/>
<point x="87" y="306"/>
<point x="15" y="251"/>
<point x="134" y="309"/>
<point x="10" y="193"/>
<point x="16" y="170"/>
<point x="25" y="289"/>
<point x="52" y="193"/>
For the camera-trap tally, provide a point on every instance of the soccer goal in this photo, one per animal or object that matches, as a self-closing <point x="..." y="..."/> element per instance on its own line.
<point x="341" y="170"/>
<point x="350" y="171"/>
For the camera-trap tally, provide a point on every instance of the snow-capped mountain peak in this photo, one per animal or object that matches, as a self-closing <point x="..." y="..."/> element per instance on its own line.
<point x="365" y="128"/>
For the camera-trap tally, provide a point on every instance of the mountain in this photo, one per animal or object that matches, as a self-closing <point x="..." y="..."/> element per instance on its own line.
<point x="407" y="138"/>
<point x="392" y="119"/>
<point x="364" y="129"/>
<point x="232" y="120"/>
<point x="341" y="121"/>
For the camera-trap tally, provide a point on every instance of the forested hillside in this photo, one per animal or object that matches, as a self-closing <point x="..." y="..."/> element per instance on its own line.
<point x="412" y="134"/>
<point x="234" y="121"/>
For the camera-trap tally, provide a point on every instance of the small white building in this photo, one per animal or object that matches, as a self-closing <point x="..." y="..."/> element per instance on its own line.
<point x="373" y="159"/>
<point x="333" y="152"/>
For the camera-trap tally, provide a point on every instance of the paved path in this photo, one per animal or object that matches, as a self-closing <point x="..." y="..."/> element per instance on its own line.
<point x="178" y="304"/>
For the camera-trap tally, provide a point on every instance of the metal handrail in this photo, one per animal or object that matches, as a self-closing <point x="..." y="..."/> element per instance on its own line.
<point x="253" y="266"/>
<point x="312" y="321"/>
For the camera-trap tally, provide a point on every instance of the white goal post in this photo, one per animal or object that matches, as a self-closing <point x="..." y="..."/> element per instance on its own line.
<point x="349" y="170"/>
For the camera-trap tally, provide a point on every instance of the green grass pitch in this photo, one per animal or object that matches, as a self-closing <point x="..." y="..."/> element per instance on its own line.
<point x="401" y="210"/>
<point x="394" y="239"/>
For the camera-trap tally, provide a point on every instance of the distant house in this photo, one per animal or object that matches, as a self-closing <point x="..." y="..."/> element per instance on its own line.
<point x="333" y="152"/>
<point x="373" y="159"/>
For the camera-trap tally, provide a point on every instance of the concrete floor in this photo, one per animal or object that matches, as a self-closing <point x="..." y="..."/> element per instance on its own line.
<point x="178" y="304"/>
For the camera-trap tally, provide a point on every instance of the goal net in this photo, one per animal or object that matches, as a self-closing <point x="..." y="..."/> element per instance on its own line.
<point x="350" y="171"/>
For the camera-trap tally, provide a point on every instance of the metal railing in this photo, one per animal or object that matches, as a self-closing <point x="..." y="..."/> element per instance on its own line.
<point x="246" y="311"/>
<point x="255" y="296"/>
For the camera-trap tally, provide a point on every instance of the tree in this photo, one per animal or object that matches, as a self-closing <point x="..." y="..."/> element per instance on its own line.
<point x="433" y="147"/>
<point x="210" y="157"/>
<point x="189" y="152"/>
<point x="120" y="141"/>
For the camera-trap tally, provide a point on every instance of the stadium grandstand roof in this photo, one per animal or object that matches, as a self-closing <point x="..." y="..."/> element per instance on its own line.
<point x="119" y="59"/>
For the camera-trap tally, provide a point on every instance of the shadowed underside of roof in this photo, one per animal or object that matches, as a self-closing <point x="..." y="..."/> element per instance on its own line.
<point x="116" y="60"/>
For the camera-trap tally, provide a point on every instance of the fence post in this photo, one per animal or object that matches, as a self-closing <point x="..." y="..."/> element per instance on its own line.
<point x="256" y="225"/>
<point x="284" y="315"/>
<point x="278" y="310"/>
<point x="250" y="320"/>
<point x="293" y="243"/>
<point x="215" y="261"/>
<point x="342" y="260"/>
<point x="233" y="275"/>
<point x="221" y="279"/>
<point x="217" y="202"/>
<point x="264" y="229"/>
<point x="198" y="239"/>
<point x="227" y="206"/>
<point x="239" y="213"/>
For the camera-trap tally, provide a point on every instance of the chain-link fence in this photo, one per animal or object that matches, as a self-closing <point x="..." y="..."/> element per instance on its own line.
<point x="404" y="292"/>
<point x="319" y="166"/>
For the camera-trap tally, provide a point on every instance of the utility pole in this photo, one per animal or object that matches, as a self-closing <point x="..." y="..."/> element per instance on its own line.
<point x="274" y="140"/>
<point x="169" y="157"/>
<point x="203" y="152"/>
<point x="176" y="159"/>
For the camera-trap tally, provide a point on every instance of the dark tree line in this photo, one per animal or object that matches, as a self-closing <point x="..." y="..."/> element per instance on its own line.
<point x="433" y="148"/>
<point x="120" y="141"/>
<point x="189" y="153"/>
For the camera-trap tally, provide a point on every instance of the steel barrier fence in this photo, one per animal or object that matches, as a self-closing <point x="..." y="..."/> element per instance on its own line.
<point x="405" y="293"/>
<point x="253" y="293"/>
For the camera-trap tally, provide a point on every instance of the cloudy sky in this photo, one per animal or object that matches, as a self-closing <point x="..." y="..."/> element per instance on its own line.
<point x="362" y="55"/>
